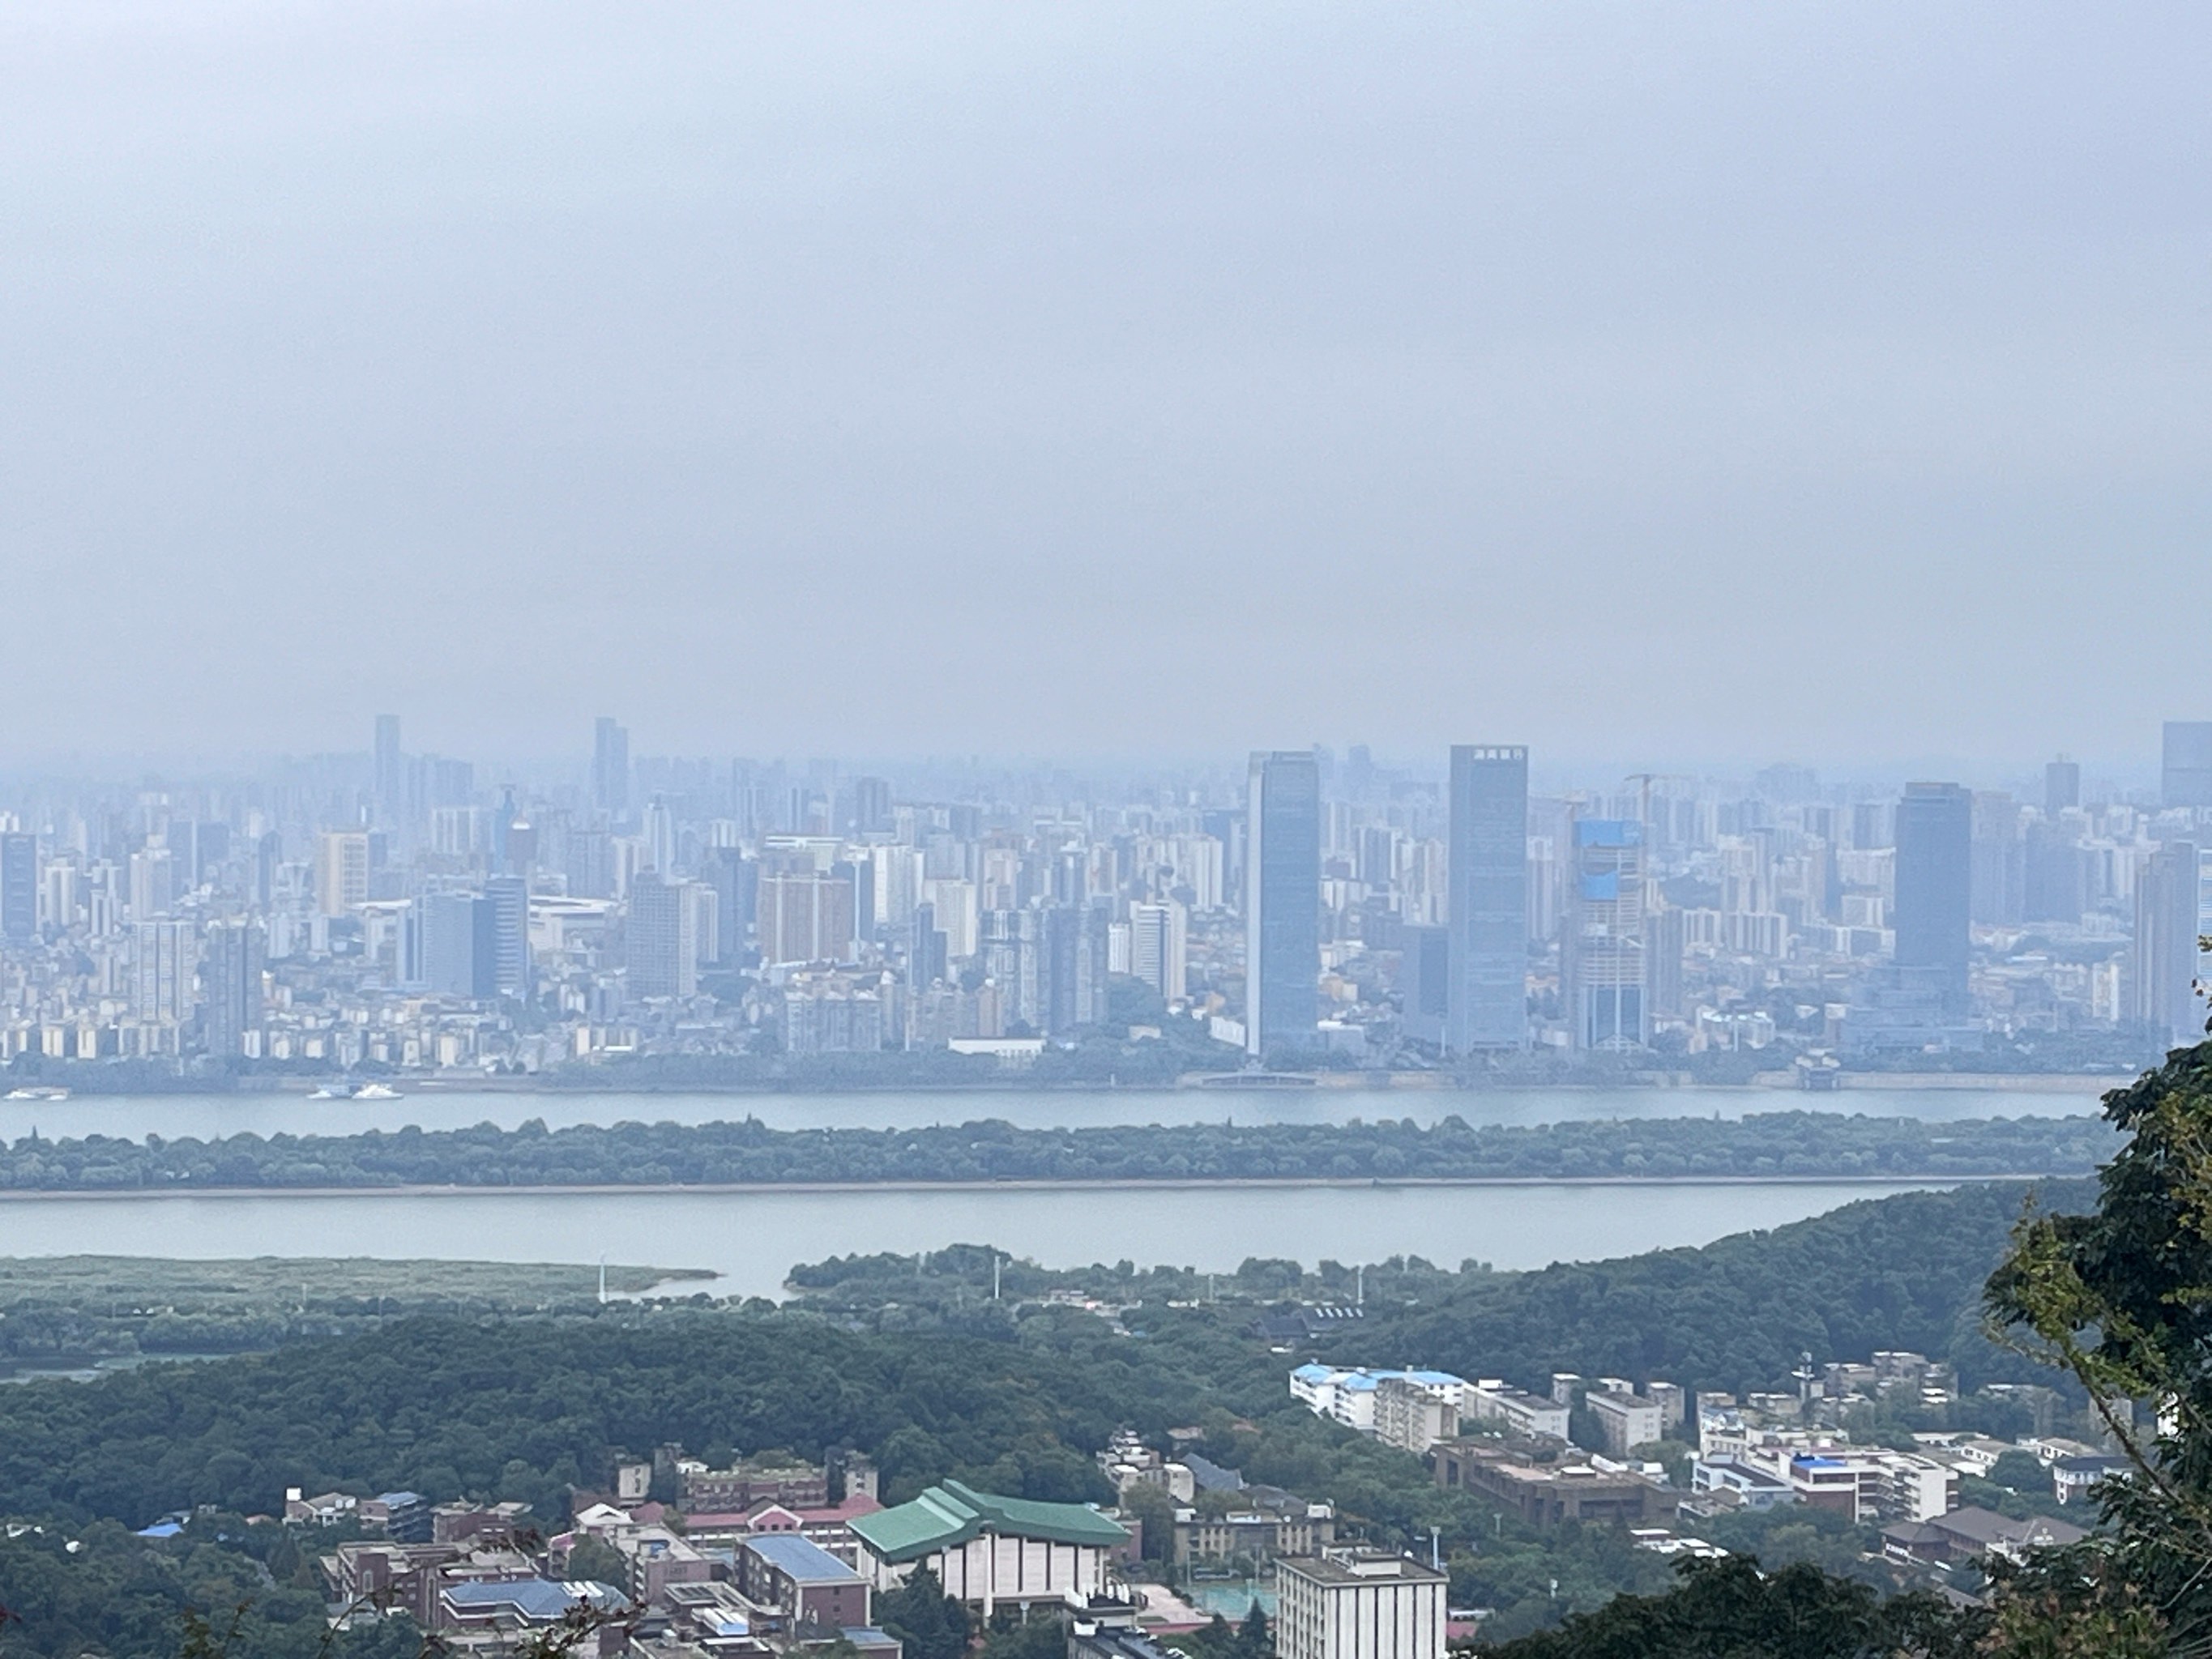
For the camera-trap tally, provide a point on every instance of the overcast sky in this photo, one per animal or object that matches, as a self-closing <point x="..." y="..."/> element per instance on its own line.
<point x="1652" y="381"/>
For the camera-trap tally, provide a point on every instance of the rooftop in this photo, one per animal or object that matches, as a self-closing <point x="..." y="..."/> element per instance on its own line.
<point x="801" y="1559"/>
<point x="949" y="1515"/>
<point x="1345" y="1569"/>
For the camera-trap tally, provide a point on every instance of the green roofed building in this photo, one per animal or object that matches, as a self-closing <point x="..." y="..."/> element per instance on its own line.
<point x="989" y="1551"/>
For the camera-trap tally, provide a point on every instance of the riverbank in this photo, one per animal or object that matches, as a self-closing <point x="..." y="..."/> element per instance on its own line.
<point x="1200" y="1183"/>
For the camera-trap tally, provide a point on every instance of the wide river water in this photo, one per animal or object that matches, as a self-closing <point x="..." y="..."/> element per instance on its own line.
<point x="753" y="1239"/>
<point x="207" y="1115"/>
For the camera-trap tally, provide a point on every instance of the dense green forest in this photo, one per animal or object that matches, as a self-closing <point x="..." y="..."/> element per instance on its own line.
<point x="1762" y="1146"/>
<point x="909" y="1360"/>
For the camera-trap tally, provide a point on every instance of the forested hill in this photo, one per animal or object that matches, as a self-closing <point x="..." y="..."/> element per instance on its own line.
<point x="1905" y="1271"/>
<point x="1764" y="1145"/>
<point x="1014" y="1398"/>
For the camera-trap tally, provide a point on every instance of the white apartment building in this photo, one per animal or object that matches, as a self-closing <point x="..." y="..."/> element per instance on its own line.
<point x="1349" y="1396"/>
<point x="1490" y="1400"/>
<point x="1351" y="1604"/>
<point x="1627" y="1420"/>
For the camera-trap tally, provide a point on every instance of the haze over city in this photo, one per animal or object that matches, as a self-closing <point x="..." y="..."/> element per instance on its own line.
<point x="1104" y="831"/>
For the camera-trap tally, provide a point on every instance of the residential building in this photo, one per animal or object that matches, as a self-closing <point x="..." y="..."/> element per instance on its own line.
<point x="1624" y="1420"/>
<point x="1356" y="1604"/>
<point x="661" y="937"/>
<point x="1528" y="1415"/>
<point x="19" y="886"/>
<point x="1158" y="948"/>
<point x="1412" y="1414"/>
<point x="801" y="1581"/>
<point x="230" y="975"/>
<point x="805" y="915"/>
<point x="610" y="767"/>
<point x="2163" y="990"/>
<point x="1487" y="868"/>
<point x="341" y="870"/>
<point x="1282" y="907"/>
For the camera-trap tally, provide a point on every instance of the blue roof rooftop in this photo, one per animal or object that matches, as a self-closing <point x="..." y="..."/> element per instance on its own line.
<point x="531" y="1598"/>
<point x="801" y="1559"/>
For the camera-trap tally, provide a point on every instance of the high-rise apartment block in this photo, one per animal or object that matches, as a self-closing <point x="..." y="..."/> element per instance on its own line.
<point x="1488" y="871"/>
<point x="1282" y="907"/>
<point x="662" y="943"/>
<point x="390" y="773"/>
<point x="2062" y="786"/>
<point x="19" y="885"/>
<point x="230" y="976"/>
<point x="805" y="915"/>
<point x="1159" y="951"/>
<point x="341" y="870"/>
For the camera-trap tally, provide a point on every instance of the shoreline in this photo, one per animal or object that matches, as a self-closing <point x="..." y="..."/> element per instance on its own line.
<point x="754" y="1189"/>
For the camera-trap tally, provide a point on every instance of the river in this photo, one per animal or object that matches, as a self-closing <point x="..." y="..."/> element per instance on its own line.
<point x="205" y="1116"/>
<point x="753" y="1239"/>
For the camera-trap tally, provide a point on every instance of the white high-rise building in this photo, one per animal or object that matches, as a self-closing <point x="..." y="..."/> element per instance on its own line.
<point x="1357" y="1604"/>
<point x="1159" y="947"/>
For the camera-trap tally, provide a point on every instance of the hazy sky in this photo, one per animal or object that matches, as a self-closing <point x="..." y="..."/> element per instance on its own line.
<point x="1696" y="380"/>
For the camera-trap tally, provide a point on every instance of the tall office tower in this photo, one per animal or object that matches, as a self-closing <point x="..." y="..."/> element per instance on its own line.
<point x="2056" y="887"/>
<point x="925" y="959"/>
<point x="1075" y="945"/>
<point x="2186" y="774"/>
<point x="19" y="886"/>
<point x="153" y="883"/>
<point x="164" y="955"/>
<point x="1602" y="970"/>
<point x="341" y="870"/>
<point x="509" y="898"/>
<point x="2163" y="997"/>
<point x="390" y="775"/>
<point x="1424" y="983"/>
<point x="2062" y="786"/>
<point x="610" y="767"/>
<point x="1934" y="886"/>
<point x="1282" y="902"/>
<point x="805" y="915"/>
<point x="591" y="864"/>
<point x="1159" y="948"/>
<point x="733" y="880"/>
<point x="461" y="945"/>
<point x="871" y="806"/>
<point x="659" y="834"/>
<point x="230" y="975"/>
<point x="1998" y="884"/>
<point x="661" y="938"/>
<point x="1487" y="870"/>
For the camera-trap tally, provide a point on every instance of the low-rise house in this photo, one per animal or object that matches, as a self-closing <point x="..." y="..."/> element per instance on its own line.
<point x="1260" y="1523"/>
<point x="2077" y="1477"/>
<point x="1964" y="1535"/>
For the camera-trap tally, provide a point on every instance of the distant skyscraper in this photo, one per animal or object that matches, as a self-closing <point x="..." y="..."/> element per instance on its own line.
<point x="1603" y="968"/>
<point x="390" y="774"/>
<point x="1935" y="885"/>
<point x="1425" y="982"/>
<point x="610" y="767"/>
<point x="230" y="974"/>
<point x="805" y="915"/>
<point x="2186" y="774"/>
<point x="871" y="806"/>
<point x="153" y="883"/>
<point x="1282" y="907"/>
<point x="461" y="945"/>
<point x="1159" y="948"/>
<point x="662" y="938"/>
<point x="2062" y="786"/>
<point x="509" y="898"/>
<point x="341" y="870"/>
<point x="19" y="885"/>
<point x="164" y="956"/>
<point x="1487" y="867"/>
<point x="1998" y="882"/>
<point x="2163" y="997"/>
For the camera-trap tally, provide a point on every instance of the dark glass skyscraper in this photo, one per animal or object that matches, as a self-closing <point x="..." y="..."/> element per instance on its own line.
<point x="1282" y="908"/>
<point x="1935" y="884"/>
<point x="1488" y="870"/>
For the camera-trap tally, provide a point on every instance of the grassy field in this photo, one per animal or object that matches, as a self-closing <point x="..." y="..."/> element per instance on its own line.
<point x="125" y="1285"/>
